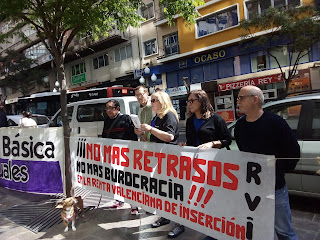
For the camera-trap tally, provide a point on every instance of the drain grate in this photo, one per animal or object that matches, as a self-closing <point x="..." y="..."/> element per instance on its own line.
<point x="40" y="214"/>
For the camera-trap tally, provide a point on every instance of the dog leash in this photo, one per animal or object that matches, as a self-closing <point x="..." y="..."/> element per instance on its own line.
<point x="96" y="208"/>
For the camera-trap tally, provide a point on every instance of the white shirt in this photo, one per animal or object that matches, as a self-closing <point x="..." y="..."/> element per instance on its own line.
<point x="27" y="122"/>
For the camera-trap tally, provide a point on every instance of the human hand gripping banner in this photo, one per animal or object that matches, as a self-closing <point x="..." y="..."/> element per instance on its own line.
<point x="223" y="194"/>
<point x="32" y="159"/>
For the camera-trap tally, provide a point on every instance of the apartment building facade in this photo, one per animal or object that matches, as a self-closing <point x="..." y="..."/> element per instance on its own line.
<point x="211" y="57"/>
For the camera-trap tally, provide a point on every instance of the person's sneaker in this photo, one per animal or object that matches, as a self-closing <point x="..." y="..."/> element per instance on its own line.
<point x="134" y="211"/>
<point x="116" y="205"/>
<point x="176" y="231"/>
<point x="160" y="222"/>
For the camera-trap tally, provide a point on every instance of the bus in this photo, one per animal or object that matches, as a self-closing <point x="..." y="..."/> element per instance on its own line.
<point x="48" y="103"/>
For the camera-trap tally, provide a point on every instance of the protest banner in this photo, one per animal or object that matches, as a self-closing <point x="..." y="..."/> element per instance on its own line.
<point x="223" y="194"/>
<point x="32" y="159"/>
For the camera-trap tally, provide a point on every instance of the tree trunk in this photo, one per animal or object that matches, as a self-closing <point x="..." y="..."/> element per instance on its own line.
<point x="66" y="128"/>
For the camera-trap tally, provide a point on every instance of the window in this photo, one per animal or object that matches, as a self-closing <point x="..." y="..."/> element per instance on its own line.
<point x="290" y="113"/>
<point x="217" y="21"/>
<point x="36" y="51"/>
<point x="259" y="6"/>
<point x="252" y="8"/>
<point x="122" y="53"/>
<point x="95" y="112"/>
<point x="91" y="112"/>
<point x="304" y="59"/>
<point x="29" y="31"/>
<point x="259" y="61"/>
<point x="100" y="61"/>
<point x="57" y="121"/>
<point x="147" y="11"/>
<point x="78" y="69"/>
<point x="316" y="122"/>
<point x="226" y="68"/>
<point x="282" y="55"/>
<point x="171" y="44"/>
<point x="150" y="47"/>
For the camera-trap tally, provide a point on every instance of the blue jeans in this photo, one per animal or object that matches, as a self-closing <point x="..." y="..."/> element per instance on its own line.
<point x="282" y="219"/>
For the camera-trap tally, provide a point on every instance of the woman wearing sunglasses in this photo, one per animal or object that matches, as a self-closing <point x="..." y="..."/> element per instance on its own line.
<point x="204" y="128"/>
<point x="164" y="128"/>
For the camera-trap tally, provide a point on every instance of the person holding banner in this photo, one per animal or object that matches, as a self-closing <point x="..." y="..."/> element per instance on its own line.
<point x="118" y="126"/>
<point x="204" y="128"/>
<point x="263" y="132"/>
<point x="164" y="128"/>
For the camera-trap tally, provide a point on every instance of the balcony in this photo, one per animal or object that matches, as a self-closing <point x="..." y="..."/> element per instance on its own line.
<point x="86" y="45"/>
<point x="42" y="59"/>
<point x="18" y="44"/>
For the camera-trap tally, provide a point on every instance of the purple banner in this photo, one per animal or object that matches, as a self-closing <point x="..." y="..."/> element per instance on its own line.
<point x="31" y="176"/>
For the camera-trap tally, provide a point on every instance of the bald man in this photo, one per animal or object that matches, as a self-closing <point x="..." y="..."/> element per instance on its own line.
<point x="263" y="132"/>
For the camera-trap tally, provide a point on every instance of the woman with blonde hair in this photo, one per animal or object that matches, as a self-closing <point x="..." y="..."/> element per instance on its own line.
<point x="164" y="128"/>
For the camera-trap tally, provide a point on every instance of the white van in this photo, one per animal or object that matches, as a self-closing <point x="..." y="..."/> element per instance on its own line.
<point x="86" y="118"/>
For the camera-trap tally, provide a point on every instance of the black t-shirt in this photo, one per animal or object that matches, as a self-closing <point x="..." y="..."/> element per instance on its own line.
<point x="269" y="135"/>
<point x="168" y="124"/>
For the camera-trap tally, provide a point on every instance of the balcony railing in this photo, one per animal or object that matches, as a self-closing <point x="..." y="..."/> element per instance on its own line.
<point x="87" y="41"/>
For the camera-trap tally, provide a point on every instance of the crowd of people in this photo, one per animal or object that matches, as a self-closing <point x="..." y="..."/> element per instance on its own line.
<point x="257" y="131"/>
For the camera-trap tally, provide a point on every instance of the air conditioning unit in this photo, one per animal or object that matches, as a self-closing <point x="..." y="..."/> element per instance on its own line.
<point x="270" y="94"/>
<point x="129" y="72"/>
<point x="261" y="67"/>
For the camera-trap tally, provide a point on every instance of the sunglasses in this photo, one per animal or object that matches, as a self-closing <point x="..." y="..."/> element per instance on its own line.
<point x="191" y="100"/>
<point x="154" y="100"/>
<point x="241" y="97"/>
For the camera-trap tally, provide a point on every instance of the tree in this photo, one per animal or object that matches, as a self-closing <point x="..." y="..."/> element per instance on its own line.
<point x="294" y="29"/>
<point x="57" y="22"/>
<point x="19" y="74"/>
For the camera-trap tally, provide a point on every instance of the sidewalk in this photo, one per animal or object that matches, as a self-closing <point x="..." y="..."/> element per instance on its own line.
<point x="121" y="225"/>
<point x="101" y="224"/>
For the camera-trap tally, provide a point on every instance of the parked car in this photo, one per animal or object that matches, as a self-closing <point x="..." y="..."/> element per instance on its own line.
<point x="86" y="118"/>
<point x="302" y="114"/>
<point x="41" y="120"/>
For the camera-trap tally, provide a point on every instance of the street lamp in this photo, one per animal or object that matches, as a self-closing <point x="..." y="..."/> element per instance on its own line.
<point x="147" y="69"/>
<point x="56" y="89"/>
<point x="142" y="80"/>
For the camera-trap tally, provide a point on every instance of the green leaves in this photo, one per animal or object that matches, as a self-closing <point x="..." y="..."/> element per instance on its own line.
<point x="18" y="73"/>
<point x="295" y="29"/>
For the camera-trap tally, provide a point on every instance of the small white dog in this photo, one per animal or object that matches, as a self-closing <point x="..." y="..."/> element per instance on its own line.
<point x="69" y="207"/>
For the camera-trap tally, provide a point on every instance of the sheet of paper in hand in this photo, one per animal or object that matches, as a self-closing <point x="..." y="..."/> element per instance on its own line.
<point x="135" y="120"/>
